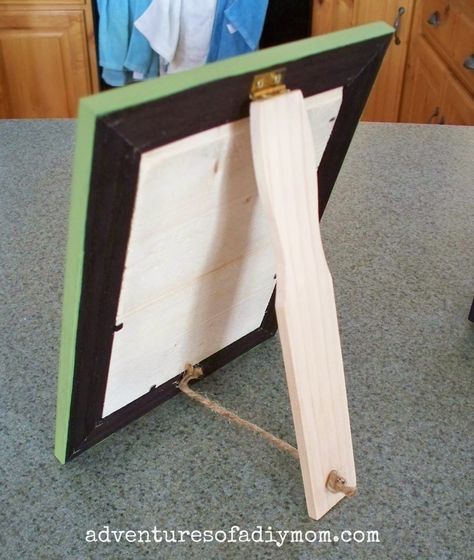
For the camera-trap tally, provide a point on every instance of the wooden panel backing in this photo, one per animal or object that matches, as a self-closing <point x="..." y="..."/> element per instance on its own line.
<point x="199" y="271"/>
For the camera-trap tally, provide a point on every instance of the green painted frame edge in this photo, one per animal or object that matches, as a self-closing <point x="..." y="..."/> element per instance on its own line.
<point x="100" y="104"/>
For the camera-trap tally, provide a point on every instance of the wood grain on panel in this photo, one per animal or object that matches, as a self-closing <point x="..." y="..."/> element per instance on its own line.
<point x="284" y="161"/>
<point x="199" y="271"/>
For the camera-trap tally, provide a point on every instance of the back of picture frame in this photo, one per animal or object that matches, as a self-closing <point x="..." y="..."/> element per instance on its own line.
<point x="168" y="257"/>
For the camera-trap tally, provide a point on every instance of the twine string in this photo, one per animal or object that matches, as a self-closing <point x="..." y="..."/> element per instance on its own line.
<point x="192" y="373"/>
<point x="335" y="482"/>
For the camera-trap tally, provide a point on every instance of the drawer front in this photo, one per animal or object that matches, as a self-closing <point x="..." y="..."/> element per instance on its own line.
<point x="437" y="23"/>
<point x="463" y="49"/>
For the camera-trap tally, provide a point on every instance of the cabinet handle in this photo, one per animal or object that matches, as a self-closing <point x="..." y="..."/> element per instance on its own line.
<point x="435" y="19"/>
<point x="469" y="62"/>
<point x="434" y="114"/>
<point x="397" y="24"/>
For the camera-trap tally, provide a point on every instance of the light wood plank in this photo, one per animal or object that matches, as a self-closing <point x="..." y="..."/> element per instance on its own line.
<point x="283" y="155"/>
<point x="199" y="271"/>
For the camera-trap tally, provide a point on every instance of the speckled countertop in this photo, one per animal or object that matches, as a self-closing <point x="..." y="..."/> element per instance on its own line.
<point x="399" y="236"/>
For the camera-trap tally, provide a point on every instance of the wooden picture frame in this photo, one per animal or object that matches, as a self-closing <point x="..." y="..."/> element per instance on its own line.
<point x="114" y="130"/>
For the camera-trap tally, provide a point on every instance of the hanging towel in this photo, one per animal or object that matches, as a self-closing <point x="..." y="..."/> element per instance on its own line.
<point x="179" y="31"/>
<point x="160" y="25"/>
<point x="238" y="27"/>
<point x="123" y="51"/>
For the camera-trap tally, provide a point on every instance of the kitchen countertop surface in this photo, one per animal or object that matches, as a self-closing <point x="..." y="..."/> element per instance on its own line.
<point x="399" y="237"/>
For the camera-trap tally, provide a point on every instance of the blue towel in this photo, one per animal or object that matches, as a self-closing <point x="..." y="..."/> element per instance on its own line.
<point x="238" y="26"/>
<point x="122" y="48"/>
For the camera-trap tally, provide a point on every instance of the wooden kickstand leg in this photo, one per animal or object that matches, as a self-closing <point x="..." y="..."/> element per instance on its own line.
<point x="284" y="160"/>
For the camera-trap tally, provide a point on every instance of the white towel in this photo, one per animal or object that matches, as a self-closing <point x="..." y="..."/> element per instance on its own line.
<point x="179" y="31"/>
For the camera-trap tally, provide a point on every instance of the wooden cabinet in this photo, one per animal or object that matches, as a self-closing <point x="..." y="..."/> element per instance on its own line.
<point x="427" y="73"/>
<point x="47" y="58"/>
<point x="331" y="15"/>
<point x="439" y="81"/>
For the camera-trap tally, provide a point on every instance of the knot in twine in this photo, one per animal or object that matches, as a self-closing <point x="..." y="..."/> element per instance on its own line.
<point x="337" y="483"/>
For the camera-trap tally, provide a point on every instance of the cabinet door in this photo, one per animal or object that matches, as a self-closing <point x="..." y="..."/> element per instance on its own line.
<point x="384" y="101"/>
<point x="44" y="64"/>
<point x="425" y="85"/>
<point x="331" y="15"/>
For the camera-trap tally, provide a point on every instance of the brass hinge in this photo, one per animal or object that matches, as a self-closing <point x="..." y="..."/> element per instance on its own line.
<point x="268" y="84"/>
